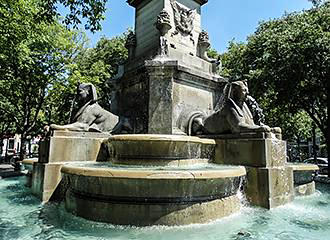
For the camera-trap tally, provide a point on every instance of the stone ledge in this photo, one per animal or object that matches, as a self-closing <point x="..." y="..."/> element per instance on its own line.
<point x="136" y="173"/>
<point x="58" y="133"/>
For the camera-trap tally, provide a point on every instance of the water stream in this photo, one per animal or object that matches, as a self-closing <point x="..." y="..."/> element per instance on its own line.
<point x="22" y="217"/>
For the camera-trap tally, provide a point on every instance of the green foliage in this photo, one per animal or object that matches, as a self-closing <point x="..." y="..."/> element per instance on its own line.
<point x="287" y="64"/>
<point x="97" y="65"/>
<point x="33" y="57"/>
<point x="233" y="66"/>
<point x="91" y="65"/>
<point x="91" y="10"/>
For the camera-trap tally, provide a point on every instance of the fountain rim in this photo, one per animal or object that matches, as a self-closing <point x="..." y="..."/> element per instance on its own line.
<point x="161" y="138"/>
<point x="303" y="167"/>
<point x="235" y="171"/>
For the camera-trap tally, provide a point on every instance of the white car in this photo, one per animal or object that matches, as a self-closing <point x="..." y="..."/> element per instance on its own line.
<point x="321" y="162"/>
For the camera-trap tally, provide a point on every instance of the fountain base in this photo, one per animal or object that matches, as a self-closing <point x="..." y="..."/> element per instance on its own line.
<point x="135" y="195"/>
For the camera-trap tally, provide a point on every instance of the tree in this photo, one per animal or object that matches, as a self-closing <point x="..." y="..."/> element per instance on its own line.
<point x="91" y="10"/>
<point x="287" y="64"/>
<point x="33" y="56"/>
<point x="295" y="125"/>
<point x="91" y="65"/>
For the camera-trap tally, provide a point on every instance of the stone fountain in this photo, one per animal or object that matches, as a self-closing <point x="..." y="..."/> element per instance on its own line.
<point x="148" y="168"/>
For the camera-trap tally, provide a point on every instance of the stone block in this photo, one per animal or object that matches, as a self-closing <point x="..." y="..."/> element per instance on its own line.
<point x="65" y="146"/>
<point x="305" y="189"/>
<point x="266" y="152"/>
<point x="60" y="148"/>
<point x="46" y="177"/>
<point x="269" y="187"/>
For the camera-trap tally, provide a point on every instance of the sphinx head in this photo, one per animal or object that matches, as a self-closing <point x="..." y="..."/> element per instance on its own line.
<point x="86" y="92"/>
<point x="239" y="90"/>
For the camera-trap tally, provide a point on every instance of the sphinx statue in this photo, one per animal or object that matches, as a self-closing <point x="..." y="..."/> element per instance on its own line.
<point x="233" y="116"/>
<point x="90" y="117"/>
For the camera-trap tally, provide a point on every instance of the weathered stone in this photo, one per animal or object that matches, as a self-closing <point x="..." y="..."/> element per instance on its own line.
<point x="233" y="115"/>
<point x="303" y="175"/>
<point x="59" y="149"/>
<point x="251" y="152"/>
<point x="65" y="146"/>
<point x="158" y="149"/>
<point x="152" y="196"/>
<point x="28" y="165"/>
<point x="269" y="187"/>
<point x="151" y="214"/>
<point x="45" y="179"/>
<point x="155" y="96"/>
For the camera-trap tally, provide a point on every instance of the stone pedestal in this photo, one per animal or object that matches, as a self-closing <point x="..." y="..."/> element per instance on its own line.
<point x="57" y="150"/>
<point x="269" y="187"/>
<point x="269" y="180"/>
<point x="158" y="96"/>
<point x="160" y="86"/>
<point x="183" y="35"/>
<point x="68" y="146"/>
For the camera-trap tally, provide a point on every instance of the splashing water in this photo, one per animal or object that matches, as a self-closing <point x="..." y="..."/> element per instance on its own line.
<point x="23" y="217"/>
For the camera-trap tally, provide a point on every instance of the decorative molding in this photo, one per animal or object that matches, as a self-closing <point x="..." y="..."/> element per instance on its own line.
<point x="131" y="45"/>
<point x="163" y="24"/>
<point x="131" y="40"/>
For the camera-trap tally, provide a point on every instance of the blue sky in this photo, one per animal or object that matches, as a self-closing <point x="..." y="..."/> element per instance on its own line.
<point x="223" y="20"/>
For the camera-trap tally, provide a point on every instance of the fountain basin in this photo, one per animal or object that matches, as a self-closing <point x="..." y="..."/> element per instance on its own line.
<point x="156" y="149"/>
<point x="303" y="178"/>
<point x="146" y="196"/>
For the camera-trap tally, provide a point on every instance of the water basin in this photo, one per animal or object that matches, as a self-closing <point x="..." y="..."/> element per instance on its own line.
<point x="23" y="217"/>
<point x="153" y="195"/>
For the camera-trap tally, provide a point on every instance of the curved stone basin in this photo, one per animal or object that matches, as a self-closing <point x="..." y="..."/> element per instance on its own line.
<point x="155" y="149"/>
<point x="135" y="195"/>
<point x="303" y="177"/>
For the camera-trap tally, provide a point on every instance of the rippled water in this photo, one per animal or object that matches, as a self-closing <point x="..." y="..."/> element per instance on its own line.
<point x="23" y="217"/>
<point x="198" y="166"/>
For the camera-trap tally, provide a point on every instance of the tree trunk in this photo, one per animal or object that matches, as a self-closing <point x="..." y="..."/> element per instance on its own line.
<point x="22" y="153"/>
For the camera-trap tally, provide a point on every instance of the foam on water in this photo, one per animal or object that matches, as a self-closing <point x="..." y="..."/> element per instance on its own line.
<point x="23" y="217"/>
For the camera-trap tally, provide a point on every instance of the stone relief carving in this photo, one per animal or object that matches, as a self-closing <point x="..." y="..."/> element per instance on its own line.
<point x="90" y="117"/>
<point x="203" y="45"/>
<point x="163" y="24"/>
<point x="183" y="18"/>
